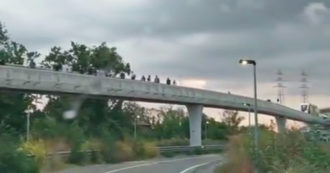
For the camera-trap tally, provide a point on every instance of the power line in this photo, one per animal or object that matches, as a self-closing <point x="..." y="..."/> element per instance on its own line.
<point x="280" y="87"/>
<point x="304" y="87"/>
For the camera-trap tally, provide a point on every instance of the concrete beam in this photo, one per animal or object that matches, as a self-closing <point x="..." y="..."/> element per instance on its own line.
<point x="195" y="124"/>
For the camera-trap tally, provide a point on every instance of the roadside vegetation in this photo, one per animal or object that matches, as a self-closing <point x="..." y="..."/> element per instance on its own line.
<point x="292" y="152"/>
<point x="103" y="127"/>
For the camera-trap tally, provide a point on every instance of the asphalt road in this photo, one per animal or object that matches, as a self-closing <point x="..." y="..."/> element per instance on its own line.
<point x="192" y="164"/>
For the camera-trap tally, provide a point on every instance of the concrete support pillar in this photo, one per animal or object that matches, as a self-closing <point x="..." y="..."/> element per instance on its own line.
<point x="281" y="124"/>
<point x="195" y="124"/>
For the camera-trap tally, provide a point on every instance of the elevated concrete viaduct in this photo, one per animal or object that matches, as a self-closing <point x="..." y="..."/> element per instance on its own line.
<point x="46" y="81"/>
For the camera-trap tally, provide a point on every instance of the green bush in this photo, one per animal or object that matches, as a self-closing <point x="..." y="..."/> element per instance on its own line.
<point x="14" y="161"/>
<point x="107" y="155"/>
<point x="96" y="157"/>
<point x="237" y="156"/>
<point x="118" y="152"/>
<point x="17" y="162"/>
<point x="292" y="151"/>
<point x="145" y="149"/>
<point x="139" y="149"/>
<point x="151" y="149"/>
<point x="123" y="151"/>
<point x="54" y="163"/>
<point x="35" y="148"/>
<point x="278" y="153"/>
<point x="173" y="142"/>
<point x="78" y="157"/>
<point x="169" y="154"/>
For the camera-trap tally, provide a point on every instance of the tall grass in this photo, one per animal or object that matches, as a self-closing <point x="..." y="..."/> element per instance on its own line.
<point x="237" y="156"/>
<point x="278" y="153"/>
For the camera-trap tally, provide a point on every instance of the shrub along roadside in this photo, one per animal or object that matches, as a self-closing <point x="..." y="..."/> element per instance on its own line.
<point x="113" y="152"/>
<point x="36" y="149"/>
<point x="278" y="153"/>
<point x="33" y="153"/>
<point x="12" y="160"/>
<point x="103" y="152"/>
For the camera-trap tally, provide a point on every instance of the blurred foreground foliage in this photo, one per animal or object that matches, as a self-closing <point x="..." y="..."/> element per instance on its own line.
<point x="12" y="160"/>
<point x="278" y="153"/>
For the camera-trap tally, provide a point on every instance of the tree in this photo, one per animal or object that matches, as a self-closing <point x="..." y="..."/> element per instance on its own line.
<point x="12" y="105"/>
<point x="92" y="112"/>
<point x="12" y="52"/>
<point x="31" y="56"/>
<point x="232" y="120"/>
<point x="3" y="40"/>
<point x="171" y="123"/>
<point x="85" y="60"/>
<point x="216" y="130"/>
<point x="3" y="34"/>
<point x="56" y="59"/>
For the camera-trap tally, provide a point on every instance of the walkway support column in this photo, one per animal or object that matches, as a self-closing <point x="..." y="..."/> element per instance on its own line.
<point x="195" y="124"/>
<point x="281" y="124"/>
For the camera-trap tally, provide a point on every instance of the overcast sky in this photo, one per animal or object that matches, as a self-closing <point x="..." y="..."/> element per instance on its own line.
<point x="197" y="42"/>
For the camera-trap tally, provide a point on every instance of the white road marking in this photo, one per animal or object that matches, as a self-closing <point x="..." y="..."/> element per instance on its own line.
<point x="130" y="167"/>
<point x="153" y="163"/>
<point x="194" y="167"/>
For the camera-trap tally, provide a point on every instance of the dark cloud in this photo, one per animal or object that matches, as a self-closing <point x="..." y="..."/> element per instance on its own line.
<point x="190" y="38"/>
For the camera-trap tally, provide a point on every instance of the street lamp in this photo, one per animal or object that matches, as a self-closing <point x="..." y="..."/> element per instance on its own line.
<point x="247" y="62"/>
<point x="135" y="124"/>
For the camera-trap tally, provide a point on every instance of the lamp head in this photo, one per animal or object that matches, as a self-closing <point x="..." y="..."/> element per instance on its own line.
<point x="247" y="61"/>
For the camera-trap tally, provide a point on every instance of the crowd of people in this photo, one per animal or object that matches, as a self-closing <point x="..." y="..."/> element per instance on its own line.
<point x="122" y="75"/>
<point x="148" y="79"/>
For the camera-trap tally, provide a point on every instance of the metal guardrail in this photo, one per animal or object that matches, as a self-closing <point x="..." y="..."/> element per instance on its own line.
<point x="162" y="149"/>
<point x="190" y="148"/>
<point x="67" y="153"/>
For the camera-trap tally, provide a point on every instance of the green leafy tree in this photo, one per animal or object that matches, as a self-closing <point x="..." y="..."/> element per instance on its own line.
<point x="56" y="59"/>
<point x="215" y="130"/>
<point x="3" y="34"/>
<point x="13" y="160"/>
<point x="171" y="123"/>
<point x="232" y="120"/>
<point x="91" y="113"/>
<point x="13" y="105"/>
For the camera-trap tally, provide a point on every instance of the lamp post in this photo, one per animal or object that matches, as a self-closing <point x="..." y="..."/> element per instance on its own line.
<point x="206" y="123"/>
<point x="249" y="113"/>
<point x="256" y="135"/>
<point x="135" y="124"/>
<point x="28" y="115"/>
<point x="28" y="126"/>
